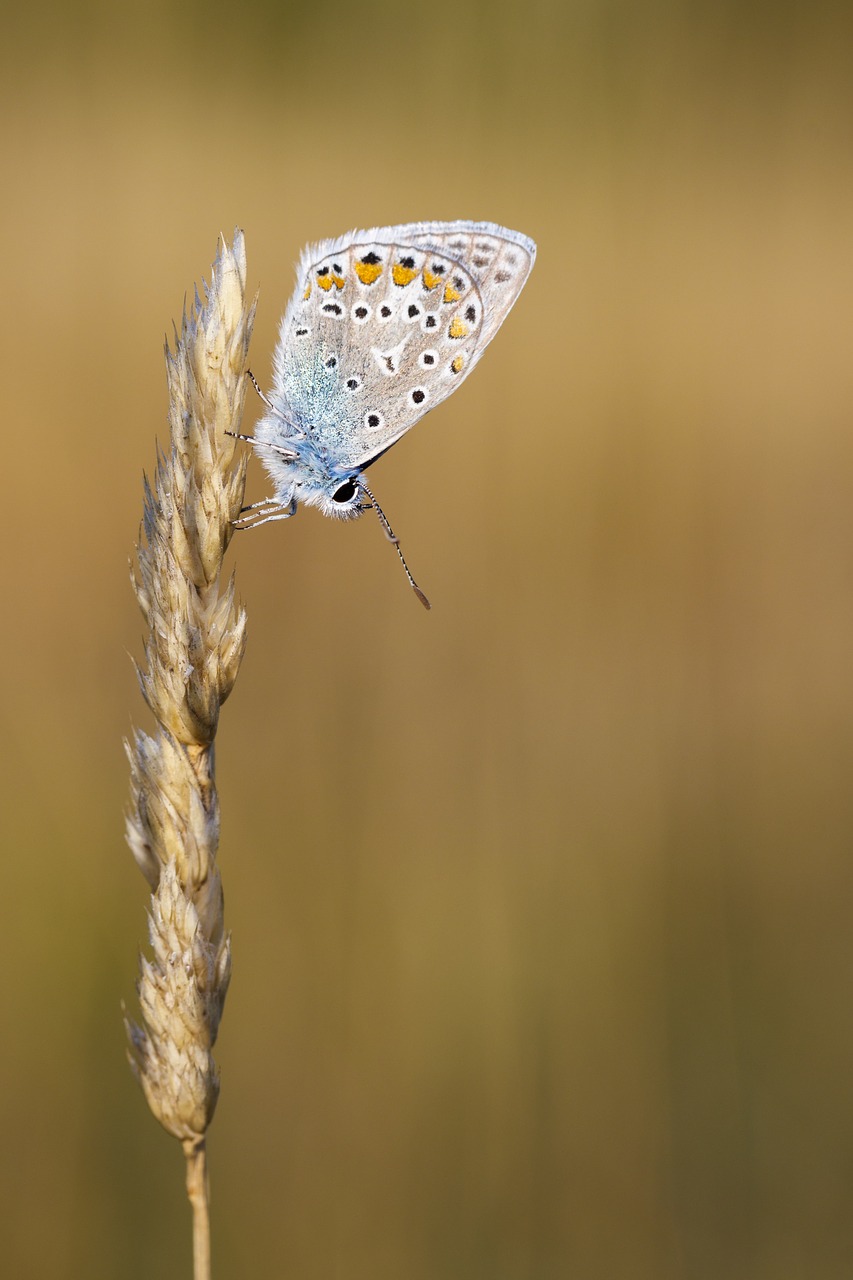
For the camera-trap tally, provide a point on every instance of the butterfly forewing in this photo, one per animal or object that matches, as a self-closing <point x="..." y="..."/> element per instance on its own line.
<point x="385" y="324"/>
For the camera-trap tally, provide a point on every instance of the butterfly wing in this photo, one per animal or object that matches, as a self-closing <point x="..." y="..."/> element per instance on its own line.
<point x="387" y="323"/>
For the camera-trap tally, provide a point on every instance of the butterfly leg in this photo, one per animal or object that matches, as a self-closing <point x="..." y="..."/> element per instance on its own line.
<point x="264" y="512"/>
<point x="254" y="383"/>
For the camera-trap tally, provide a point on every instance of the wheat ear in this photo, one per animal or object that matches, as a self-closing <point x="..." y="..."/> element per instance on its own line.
<point x="194" y="642"/>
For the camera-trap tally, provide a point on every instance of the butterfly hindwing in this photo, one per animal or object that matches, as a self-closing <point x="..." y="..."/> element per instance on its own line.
<point x="387" y="323"/>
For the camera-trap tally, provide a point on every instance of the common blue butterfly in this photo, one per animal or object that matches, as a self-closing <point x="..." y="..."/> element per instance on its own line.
<point x="384" y="325"/>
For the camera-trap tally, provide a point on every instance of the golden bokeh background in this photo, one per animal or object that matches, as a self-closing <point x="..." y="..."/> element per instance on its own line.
<point x="540" y="903"/>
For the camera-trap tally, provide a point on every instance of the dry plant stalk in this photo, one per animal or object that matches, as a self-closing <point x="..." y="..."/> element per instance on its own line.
<point x="193" y="647"/>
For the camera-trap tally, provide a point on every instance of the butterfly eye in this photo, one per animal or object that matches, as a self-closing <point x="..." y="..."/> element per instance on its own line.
<point x="346" y="492"/>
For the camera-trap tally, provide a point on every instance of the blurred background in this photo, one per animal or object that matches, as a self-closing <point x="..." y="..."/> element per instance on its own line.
<point x="541" y="903"/>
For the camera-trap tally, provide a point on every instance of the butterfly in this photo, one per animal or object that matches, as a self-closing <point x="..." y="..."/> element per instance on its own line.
<point x="383" y="325"/>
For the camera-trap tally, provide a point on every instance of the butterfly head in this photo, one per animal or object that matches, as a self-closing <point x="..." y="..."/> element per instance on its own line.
<point x="298" y="476"/>
<point x="300" y="472"/>
<point x="341" y="498"/>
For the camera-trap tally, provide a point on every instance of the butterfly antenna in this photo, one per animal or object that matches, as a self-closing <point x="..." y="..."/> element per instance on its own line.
<point x="392" y="537"/>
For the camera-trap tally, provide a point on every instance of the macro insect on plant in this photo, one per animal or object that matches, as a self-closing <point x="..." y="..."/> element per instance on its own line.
<point x="383" y="325"/>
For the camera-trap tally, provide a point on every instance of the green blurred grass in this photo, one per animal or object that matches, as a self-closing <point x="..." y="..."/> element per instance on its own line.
<point x="540" y="904"/>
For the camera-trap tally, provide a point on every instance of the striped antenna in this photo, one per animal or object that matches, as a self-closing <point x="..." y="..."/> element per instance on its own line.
<point x="392" y="537"/>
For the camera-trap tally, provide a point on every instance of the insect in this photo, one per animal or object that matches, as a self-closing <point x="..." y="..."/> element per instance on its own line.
<point x="384" y="325"/>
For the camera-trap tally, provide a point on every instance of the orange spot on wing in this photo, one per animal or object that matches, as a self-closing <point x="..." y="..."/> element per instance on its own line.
<point x="368" y="272"/>
<point x="450" y="294"/>
<point x="458" y="328"/>
<point x="430" y="280"/>
<point x="457" y="364"/>
<point x="403" y="275"/>
<point x="307" y="294"/>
